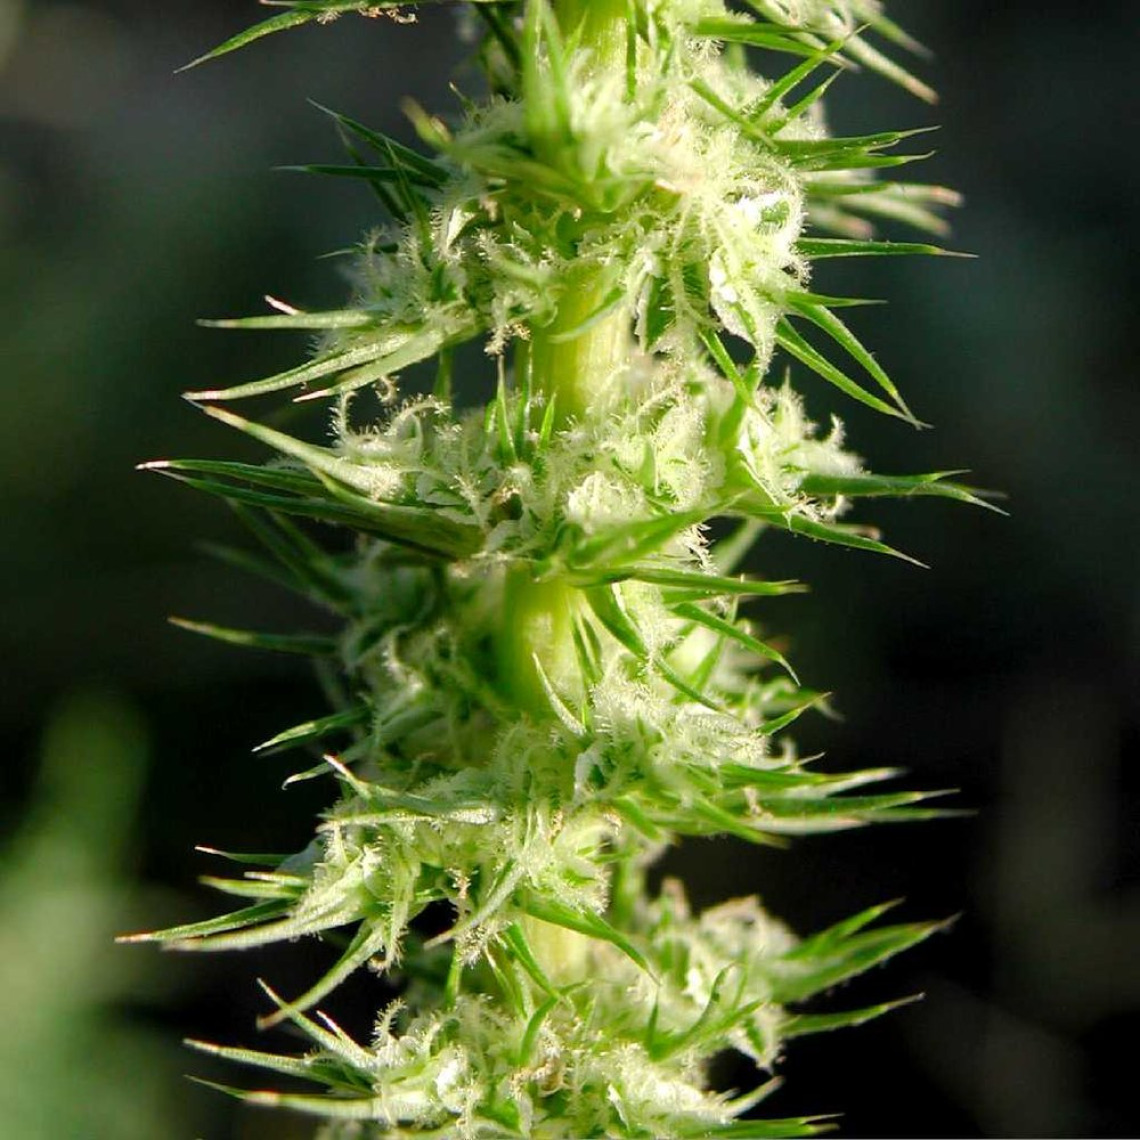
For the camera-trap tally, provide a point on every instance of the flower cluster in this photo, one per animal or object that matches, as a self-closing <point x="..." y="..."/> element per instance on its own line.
<point x="546" y="676"/>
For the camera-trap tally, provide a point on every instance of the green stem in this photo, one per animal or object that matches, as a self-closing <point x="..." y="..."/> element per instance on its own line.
<point x="580" y="353"/>
<point x="574" y="366"/>
<point x="537" y="641"/>
<point x="563" y="954"/>
<point x="573" y="360"/>
<point x="585" y="349"/>
<point x="601" y="24"/>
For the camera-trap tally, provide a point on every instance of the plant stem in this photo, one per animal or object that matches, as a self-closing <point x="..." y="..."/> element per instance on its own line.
<point x="563" y="954"/>
<point x="574" y="366"/>
<point x="538" y="634"/>
<point x="602" y="25"/>
<point x="579" y="355"/>
<point x="574" y="361"/>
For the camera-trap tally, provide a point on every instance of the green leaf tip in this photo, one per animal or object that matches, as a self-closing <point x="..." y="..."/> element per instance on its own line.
<point x="298" y="14"/>
<point x="311" y="645"/>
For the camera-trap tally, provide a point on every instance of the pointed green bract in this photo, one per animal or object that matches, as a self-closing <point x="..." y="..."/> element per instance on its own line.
<point x="544" y="669"/>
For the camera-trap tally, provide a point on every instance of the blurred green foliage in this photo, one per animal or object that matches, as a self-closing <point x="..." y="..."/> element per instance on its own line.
<point x="74" y="1066"/>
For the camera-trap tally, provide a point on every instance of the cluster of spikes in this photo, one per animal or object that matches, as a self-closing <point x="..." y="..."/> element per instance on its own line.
<point x="542" y="673"/>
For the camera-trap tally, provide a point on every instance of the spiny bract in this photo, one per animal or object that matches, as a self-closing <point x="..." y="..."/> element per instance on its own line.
<point x="546" y="678"/>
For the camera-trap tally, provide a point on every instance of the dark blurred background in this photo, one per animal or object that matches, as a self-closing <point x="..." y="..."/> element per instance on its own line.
<point x="133" y="200"/>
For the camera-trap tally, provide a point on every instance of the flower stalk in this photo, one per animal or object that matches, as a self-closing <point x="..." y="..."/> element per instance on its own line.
<point x="601" y="27"/>
<point x="547" y="668"/>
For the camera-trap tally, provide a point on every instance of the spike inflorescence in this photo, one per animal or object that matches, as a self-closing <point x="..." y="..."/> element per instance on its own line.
<point x="547" y="673"/>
